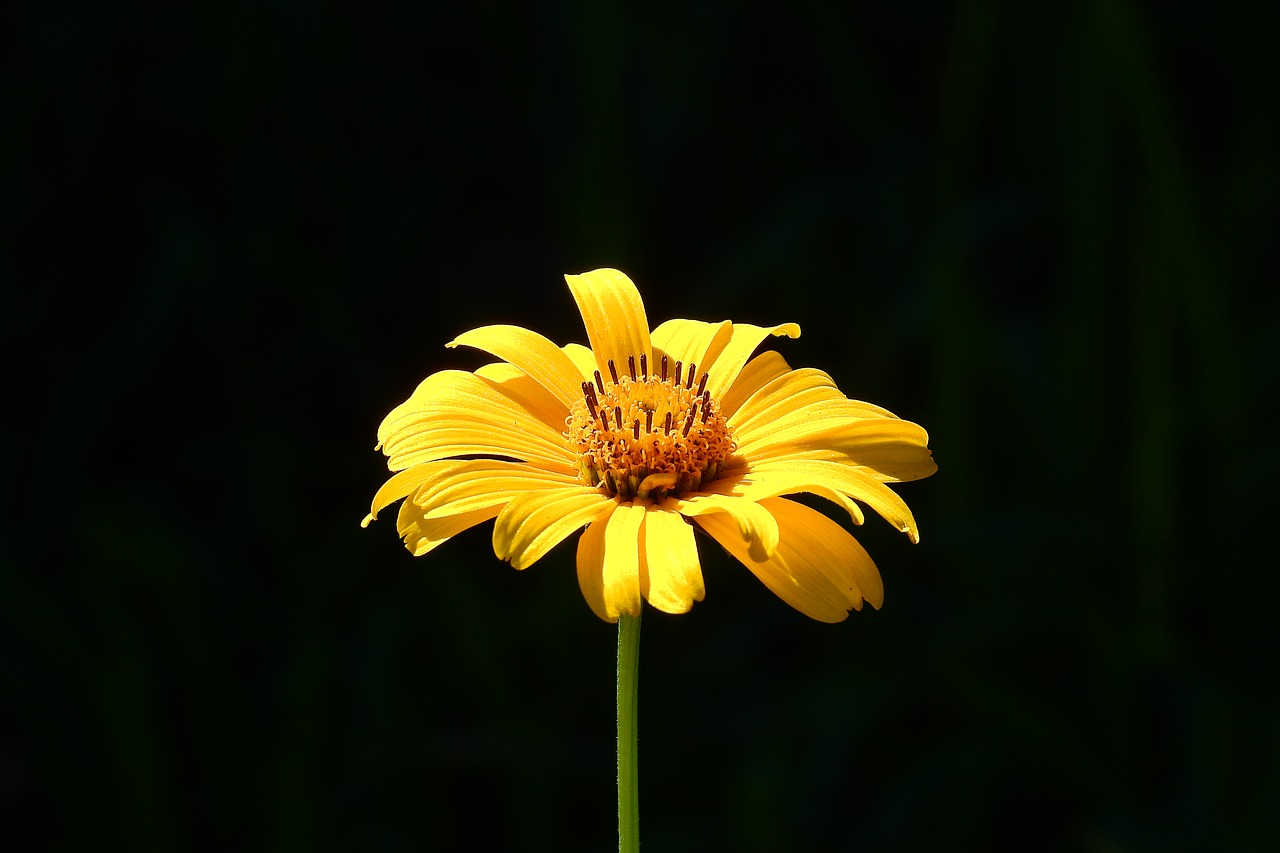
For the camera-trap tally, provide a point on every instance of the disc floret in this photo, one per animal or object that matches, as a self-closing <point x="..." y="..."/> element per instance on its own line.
<point x="642" y="435"/>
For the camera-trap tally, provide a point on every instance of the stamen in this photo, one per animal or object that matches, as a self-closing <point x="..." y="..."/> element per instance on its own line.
<point x="588" y="394"/>
<point x="702" y="384"/>
<point x="648" y="419"/>
<point x="599" y="382"/>
<point x="666" y="428"/>
<point x="617" y="414"/>
<point x="631" y="365"/>
<point x="688" y="425"/>
<point x="664" y="368"/>
<point x="644" y="366"/>
<point x="676" y="379"/>
<point x="689" y="384"/>
<point x="706" y="413"/>
<point x="635" y="429"/>
<point x="613" y="371"/>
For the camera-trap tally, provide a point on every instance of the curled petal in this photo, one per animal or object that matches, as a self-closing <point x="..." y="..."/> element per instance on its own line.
<point x="818" y="568"/>
<point x="746" y="337"/>
<point x="755" y="525"/>
<point x="691" y="341"/>
<point x="533" y="523"/>
<point x="422" y="534"/>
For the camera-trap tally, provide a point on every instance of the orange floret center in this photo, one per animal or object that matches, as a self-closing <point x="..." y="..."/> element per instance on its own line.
<point x="648" y="435"/>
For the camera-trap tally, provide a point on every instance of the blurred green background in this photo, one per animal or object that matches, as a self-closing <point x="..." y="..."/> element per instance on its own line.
<point x="235" y="235"/>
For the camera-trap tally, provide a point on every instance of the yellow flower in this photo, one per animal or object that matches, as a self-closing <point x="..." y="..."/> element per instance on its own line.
<point x="641" y="437"/>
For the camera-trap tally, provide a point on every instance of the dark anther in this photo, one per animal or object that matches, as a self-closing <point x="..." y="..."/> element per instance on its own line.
<point x="692" y="367"/>
<point x="648" y="421"/>
<point x="635" y="429"/>
<point x="688" y="424"/>
<point x="599" y="382"/>
<point x="617" y="414"/>
<point x="666" y="428"/>
<point x="702" y="384"/>
<point x="588" y="394"/>
<point x="604" y="419"/>
<point x="613" y="371"/>
<point x="631" y="365"/>
<point x="644" y="366"/>
<point x="676" y="378"/>
<point x="664" y="368"/>
<point x="706" y="412"/>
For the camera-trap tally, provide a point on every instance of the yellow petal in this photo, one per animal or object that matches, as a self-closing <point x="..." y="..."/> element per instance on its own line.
<point x="513" y="383"/>
<point x="613" y="314"/>
<point x="760" y="371"/>
<point x="401" y="484"/>
<point x="891" y="449"/>
<point x="690" y="342"/>
<point x="453" y="486"/>
<point x="744" y="340"/>
<point x="533" y="523"/>
<point x="542" y="360"/>
<point x="756" y="483"/>
<point x="789" y="476"/>
<point x="818" y="568"/>
<point x="454" y="413"/>
<point x="670" y="573"/>
<point x="424" y="534"/>
<point x="583" y="358"/>
<point x="621" y="569"/>
<point x="590" y="563"/>
<point x="755" y="525"/>
<point x="793" y="395"/>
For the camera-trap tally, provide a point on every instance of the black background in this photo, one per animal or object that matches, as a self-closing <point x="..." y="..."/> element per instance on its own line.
<point x="236" y="234"/>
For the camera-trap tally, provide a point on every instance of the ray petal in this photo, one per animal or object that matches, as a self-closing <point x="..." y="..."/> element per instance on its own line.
<point x="620" y="572"/>
<point x="425" y="534"/>
<point x="537" y="356"/>
<point x="746" y="337"/>
<point x="755" y="525"/>
<point x="670" y="573"/>
<point x="590" y="564"/>
<point x="533" y="523"/>
<point x="760" y="371"/>
<point x="691" y="341"/>
<point x="613" y="314"/>
<point x="819" y="569"/>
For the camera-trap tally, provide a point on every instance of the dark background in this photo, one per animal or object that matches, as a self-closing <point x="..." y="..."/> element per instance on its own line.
<point x="236" y="234"/>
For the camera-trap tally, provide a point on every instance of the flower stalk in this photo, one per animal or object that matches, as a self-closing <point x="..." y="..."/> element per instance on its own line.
<point x="628" y="707"/>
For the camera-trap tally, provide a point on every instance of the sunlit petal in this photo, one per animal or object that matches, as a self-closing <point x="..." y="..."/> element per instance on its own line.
<point x="670" y="573"/>
<point x="620" y="572"/>
<point x="746" y="337"/>
<point x="538" y="357"/>
<point x="691" y="342"/>
<point x="755" y="525"/>
<point x="425" y="534"/>
<point x="590" y="564"/>
<point x="533" y="523"/>
<point x="819" y="569"/>
<point x="613" y="314"/>
<point x="760" y="371"/>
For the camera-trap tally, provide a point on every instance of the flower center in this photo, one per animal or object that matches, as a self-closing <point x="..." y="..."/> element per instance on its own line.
<point x="647" y="436"/>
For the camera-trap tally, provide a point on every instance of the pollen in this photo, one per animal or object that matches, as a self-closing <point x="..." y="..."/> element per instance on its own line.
<point x="639" y="434"/>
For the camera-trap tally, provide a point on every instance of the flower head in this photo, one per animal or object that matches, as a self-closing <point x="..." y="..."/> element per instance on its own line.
<point x="638" y="439"/>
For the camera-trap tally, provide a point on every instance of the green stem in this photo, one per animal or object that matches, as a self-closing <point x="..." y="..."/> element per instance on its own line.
<point x="628" y="772"/>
